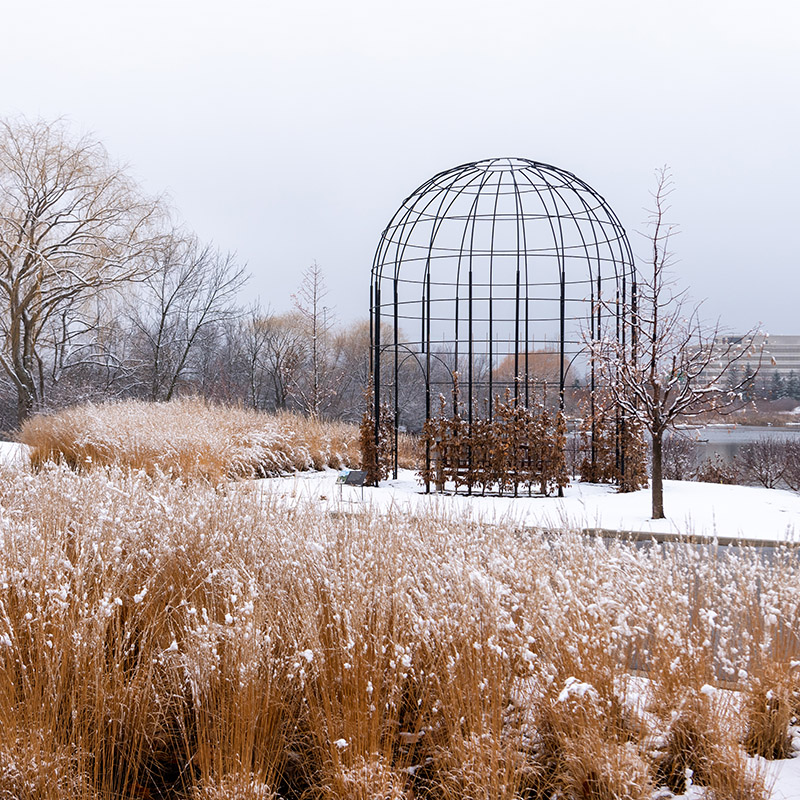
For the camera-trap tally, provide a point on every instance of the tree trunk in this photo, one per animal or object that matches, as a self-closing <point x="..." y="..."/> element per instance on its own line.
<point x="658" y="480"/>
<point x="24" y="406"/>
<point x="27" y="396"/>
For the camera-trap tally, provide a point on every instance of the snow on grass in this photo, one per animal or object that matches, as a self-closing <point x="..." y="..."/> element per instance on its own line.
<point x="189" y="438"/>
<point x="152" y="627"/>
<point x="693" y="509"/>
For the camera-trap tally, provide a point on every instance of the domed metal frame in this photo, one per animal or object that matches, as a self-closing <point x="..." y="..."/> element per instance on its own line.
<point x="483" y="264"/>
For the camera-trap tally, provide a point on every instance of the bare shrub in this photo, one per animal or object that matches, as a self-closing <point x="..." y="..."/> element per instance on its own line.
<point x="518" y="447"/>
<point x="791" y="472"/>
<point x="376" y="442"/>
<point x="680" y="457"/>
<point x="715" y="469"/>
<point x="764" y="461"/>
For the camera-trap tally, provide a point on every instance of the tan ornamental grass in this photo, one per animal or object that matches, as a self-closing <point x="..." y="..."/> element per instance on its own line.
<point x="189" y="438"/>
<point x="172" y="639"/>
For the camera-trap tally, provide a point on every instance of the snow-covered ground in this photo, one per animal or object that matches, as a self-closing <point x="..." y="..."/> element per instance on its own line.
<point x="692" y="508"/>
<point x="696" y="509"/>
<point x="13" y="453"/>
<point x="786" y="777"/>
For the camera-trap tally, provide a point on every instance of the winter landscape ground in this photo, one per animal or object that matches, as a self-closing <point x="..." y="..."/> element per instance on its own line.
<point x="704" y="510"/>
<point x="179" y="637"/>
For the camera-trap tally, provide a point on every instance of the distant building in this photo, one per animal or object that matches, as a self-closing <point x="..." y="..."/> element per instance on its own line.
<point x="780" y="357"/>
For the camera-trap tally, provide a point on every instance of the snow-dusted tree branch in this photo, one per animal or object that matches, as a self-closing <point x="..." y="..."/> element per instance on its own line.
<point x="674" y="366"/>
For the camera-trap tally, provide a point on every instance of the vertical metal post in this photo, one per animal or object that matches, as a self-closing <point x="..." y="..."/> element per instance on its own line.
<point x="527" y="343"/>
<point x="619" y="418"/>
<point x="470" y="355"/>
<point x="456" y="341"/>
<point x="396" y="381"/>
<point x="490" y="343"/>
<point x="376" y="370"/>
<point x="592" y="404"/>
<point x="562" y="371"/>
<point x="427" y="340"/>
<point x="562" y="333"/>
<point x="516" y="337"/>
<point x="623" y="464"/>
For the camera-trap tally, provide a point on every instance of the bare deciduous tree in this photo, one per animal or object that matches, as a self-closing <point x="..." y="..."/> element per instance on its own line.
<point x="190" y="290"/>
<point x="317" y="388"/>
<point x="272" y="352"/>
<point x="72" y="224"/>
<point x="350" y="356"/>
<point x="766" y="461"/>
<point x="662" y="375"/>
<point x="92" y="360"/>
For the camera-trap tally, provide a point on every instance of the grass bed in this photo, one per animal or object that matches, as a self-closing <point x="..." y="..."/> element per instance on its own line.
<point x="173" y="640"/>
<point x="188" y="438"/>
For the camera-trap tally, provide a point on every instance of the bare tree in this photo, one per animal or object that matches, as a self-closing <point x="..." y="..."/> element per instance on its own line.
<point x="272" y="351"/>
<point x="189" y="292"/>
<point x="72" y="224"/>
<point x="350" y="354"/>
<point x="319" y="384"/>
<point x="662" y="375"/>
<point x="92" y="360"/>
<point x="766" y="461"/>
<point x="680" y="456"/>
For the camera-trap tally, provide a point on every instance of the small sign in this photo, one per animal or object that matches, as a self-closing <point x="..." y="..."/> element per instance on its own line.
<point x="356" y="477"/>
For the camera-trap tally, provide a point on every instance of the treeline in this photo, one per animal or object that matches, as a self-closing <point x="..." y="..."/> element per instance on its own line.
<point x="163" y="339"/>
<point x="766" y="384"/>
<point x="103" y="295"/>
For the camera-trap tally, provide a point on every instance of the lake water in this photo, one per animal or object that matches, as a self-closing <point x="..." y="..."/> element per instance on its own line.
<point x="728" y="439"/>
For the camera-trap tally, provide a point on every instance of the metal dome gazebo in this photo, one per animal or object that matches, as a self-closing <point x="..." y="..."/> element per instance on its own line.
<point x="486" y="264"/>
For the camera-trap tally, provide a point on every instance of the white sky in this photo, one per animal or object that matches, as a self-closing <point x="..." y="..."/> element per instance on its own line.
<point x="291" y="131"/>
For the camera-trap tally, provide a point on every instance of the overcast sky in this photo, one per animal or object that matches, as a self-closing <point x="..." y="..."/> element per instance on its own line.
<point x="290" y="131"/>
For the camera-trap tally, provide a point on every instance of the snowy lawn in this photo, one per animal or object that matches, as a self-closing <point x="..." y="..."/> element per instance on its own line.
<point x="693" y="509"/>
<point x="786" y="777"/>
<point x="698" y="509"/>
